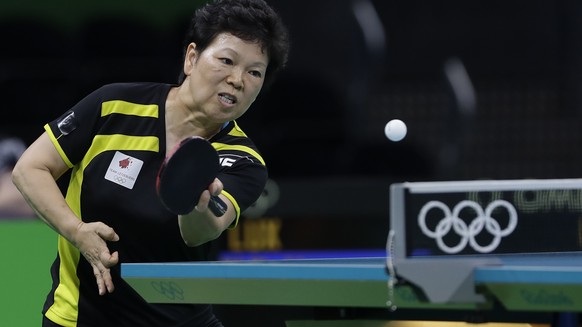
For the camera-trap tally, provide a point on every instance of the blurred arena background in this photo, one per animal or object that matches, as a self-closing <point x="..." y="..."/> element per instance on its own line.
<point x="354" y="65"/>
<point x="339" y="90"/>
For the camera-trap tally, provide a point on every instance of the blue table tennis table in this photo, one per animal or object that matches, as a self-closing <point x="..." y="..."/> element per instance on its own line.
<point x="458" y="246"/>
<point x="549" y="283"/>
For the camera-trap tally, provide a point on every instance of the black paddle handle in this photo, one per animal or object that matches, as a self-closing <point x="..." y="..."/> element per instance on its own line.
<point x="217" y="206"/>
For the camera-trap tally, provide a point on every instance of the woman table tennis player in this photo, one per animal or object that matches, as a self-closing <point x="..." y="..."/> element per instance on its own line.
<point x="109" y="147"/>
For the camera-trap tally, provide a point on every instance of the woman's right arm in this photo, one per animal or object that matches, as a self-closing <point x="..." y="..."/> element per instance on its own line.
<point x="35" y="176"/>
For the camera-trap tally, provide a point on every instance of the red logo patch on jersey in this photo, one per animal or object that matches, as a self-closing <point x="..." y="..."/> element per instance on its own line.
<point x="125" y="163"/>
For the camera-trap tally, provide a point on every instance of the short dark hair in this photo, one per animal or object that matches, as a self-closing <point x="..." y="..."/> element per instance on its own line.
<point x="249" y="20"/>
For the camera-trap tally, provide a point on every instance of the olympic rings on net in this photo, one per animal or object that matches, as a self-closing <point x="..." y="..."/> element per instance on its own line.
<point x="482" y="221"/>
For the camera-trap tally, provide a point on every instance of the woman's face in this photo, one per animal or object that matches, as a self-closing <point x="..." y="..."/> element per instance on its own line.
<point x="226" y="78"/>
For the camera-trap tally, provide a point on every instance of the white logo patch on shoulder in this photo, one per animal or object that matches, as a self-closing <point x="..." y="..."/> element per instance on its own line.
<point x="123" y="170"/>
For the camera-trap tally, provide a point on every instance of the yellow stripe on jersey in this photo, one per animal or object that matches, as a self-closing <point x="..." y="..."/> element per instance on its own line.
<point x="242" y="148"/>
<point x="57" y="145"/>
<point x="236" y="209"/>
<point x="237" y="131"/>
<point x="128" y="108"/>
<point x="102" y="143"/>
<point x="65" y="310"/>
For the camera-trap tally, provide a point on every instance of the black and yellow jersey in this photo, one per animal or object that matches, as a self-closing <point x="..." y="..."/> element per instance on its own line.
<point x="114" y="142"/>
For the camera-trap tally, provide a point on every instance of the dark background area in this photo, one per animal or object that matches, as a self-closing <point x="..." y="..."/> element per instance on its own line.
<point x="320" y="126"/>
<point x="324" y="116"/>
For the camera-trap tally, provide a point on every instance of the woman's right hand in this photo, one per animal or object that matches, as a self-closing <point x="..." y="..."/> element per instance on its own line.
<point x="91" y="239"/>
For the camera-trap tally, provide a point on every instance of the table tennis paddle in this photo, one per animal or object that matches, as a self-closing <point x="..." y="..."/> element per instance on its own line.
<point x="186" y="172"/>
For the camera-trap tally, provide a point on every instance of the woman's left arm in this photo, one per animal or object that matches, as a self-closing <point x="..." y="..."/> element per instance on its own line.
<point x="201" y="225"/>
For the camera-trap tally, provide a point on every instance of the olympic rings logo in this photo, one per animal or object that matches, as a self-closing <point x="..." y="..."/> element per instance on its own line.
<point x="483" y="220"/>
<point x="169" y="290"/>
<point x="119" y="179"/>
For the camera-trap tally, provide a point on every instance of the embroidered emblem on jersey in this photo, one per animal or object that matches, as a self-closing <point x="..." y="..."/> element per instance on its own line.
<point x="123" y="170"/>
<point x="67" y="123"/>
<point x="226" y="162"/>
<point x="229" y="160"/>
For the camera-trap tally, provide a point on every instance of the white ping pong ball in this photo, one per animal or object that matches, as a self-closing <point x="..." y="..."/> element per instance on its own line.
<point x="395" y="130"/>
